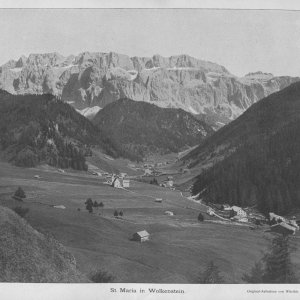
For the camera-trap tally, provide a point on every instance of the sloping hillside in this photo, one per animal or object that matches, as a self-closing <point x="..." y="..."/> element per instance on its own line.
<point x="255" y="159"/>
<point x="40" y="128"/>
<point x="143" y="128"/>
<point x="29" y="256"/>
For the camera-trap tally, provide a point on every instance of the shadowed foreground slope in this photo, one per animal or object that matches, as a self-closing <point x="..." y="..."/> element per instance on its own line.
<point x="29" y="256"/>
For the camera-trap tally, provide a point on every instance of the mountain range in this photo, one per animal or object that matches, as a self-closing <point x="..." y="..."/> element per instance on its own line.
<point x="93" y="80"/>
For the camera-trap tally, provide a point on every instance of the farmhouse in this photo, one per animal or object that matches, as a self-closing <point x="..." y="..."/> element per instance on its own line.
<point x="282" y="220"/>
<point x="167" y="183"/>
<point x="141" y="236"/>
<point x="239" y="211"/>
<point x="276" y="218"/>
<point x="116" y="182"/>
<point x="119" y="182"/>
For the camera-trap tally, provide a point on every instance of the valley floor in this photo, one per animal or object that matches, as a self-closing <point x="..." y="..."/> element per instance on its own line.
<point x="179" y="247"/>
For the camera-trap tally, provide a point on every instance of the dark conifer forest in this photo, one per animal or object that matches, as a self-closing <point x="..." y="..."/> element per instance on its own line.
<point x="264" y="170"/>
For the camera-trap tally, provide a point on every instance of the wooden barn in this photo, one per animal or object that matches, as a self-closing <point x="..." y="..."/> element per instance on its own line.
<point x="283" y="228"/>
<point x="141" y="236"/>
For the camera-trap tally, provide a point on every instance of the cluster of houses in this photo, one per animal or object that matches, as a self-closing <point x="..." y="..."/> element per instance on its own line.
<point x="151" y="172"/>
<point x="235" y="213"/>
<point x="152" y="169"/>
<point x="277" y="223"/>
<point x="168" y="182"/>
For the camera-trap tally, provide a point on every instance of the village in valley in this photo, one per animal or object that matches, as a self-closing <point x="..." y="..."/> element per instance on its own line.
<point x="159" y="174"/>
<point x="140" y="204"/>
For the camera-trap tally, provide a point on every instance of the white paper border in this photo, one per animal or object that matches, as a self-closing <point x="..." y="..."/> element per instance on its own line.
<point x="30" y="291"/>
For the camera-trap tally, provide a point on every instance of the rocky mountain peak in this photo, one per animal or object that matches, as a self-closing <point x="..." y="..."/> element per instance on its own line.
<point x="21" y="62"/>
<point x="180" y="81"/>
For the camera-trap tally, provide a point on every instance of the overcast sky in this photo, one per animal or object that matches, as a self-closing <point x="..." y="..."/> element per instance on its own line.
<point x="242" y="41"/>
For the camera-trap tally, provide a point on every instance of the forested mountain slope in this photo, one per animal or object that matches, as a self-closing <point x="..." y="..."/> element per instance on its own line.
<point x="256" y="158"/>
<point x="40" y="128"/>
<point x="143" y="128"/>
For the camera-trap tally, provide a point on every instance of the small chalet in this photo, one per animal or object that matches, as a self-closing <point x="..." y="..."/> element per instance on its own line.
<point x="167" y="183"/>
<point x="141" y="236"/>
<point x="118" y="182"/>
<point x="169" y="213"/>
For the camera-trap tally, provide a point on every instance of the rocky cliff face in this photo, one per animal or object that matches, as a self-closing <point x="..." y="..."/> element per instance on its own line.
<point x="97" y="79"/>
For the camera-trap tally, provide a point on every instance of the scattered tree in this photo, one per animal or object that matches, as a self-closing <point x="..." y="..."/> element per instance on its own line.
<point x="116" y="213"/>
<point x="102" y="277"/>
<point x="232" y="213"/>
<point x="200" y="217"/>
<point x="21" y="211"/>
<point x="121" y="213"/>
<point x="275" y="266"/>
<point x="26" y="158"/>
<point x="211" y="274"/>
<point x="256" y="274"/>
<point x="95" y="204"/>
<point x="257" y="222"/>
<point x="19" y="193"/>
<point x="89" y="205"/>
<point x="154" y="181"/>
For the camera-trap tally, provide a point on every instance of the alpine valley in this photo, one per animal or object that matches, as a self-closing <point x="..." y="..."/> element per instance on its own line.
<point x="147" y="170"/>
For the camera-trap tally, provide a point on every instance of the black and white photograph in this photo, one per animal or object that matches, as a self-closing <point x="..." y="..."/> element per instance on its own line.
<point x="150" y="145"/>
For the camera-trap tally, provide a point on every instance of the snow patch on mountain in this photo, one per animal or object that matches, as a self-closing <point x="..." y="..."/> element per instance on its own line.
<point x="89" y="112"/>
<point x="16" y="70"/>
